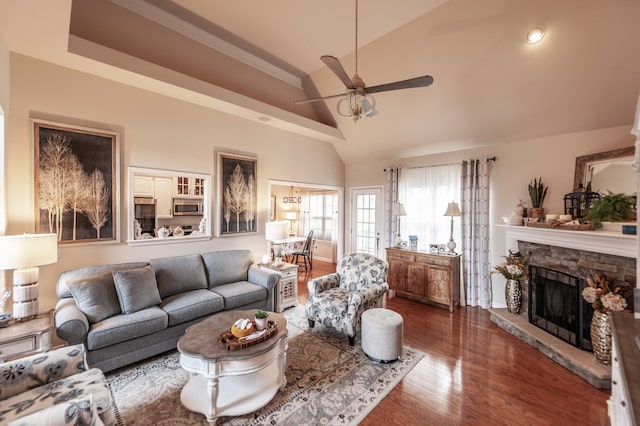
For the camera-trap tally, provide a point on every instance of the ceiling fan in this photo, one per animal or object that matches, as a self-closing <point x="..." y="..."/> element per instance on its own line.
<point x="357" y="96"/>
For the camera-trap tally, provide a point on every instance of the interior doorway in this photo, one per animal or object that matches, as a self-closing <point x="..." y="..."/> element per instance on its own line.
<point x="311" y="207"/>
<point x="366" y="221"/>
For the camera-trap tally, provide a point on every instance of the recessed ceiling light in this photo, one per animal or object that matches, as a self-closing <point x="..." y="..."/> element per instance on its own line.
<point x="535" y="35"/>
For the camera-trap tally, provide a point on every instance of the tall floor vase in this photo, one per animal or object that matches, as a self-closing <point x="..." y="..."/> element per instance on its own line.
<point x="601" y="337"/>
<point x="513" y="296"/>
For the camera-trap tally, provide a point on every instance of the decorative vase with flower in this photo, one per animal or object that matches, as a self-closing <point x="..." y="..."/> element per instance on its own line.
<point x="604" y="296"/>
<point x="513" y="269"/>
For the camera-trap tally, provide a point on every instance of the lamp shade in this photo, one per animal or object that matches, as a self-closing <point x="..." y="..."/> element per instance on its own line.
<point x="275" y="231"/>
<point x="27" y="250"/>
<point x="398" y="210"/>
<point x="291" y="215"/>
<point x="453" y="210"/>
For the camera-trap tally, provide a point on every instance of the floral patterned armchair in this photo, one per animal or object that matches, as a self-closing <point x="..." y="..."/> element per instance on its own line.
<point x="54" y="387"/>
<point x="338" y="300"/>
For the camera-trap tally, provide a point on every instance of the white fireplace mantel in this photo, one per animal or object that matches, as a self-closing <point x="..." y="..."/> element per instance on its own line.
<point x="594" y="241"/>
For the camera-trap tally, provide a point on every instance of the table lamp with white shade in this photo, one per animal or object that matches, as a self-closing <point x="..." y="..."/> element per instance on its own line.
<point x="24" y="254"/>
<point x="275" y="232"/>
<point x="291" y="216"/>
<point x="454" y="211"/>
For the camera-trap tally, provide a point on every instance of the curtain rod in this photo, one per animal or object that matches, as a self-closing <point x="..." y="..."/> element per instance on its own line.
<point x="435" y="165"/>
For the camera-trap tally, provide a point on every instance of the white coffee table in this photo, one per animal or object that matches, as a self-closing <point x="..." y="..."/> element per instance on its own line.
<point x="226" y="382"/>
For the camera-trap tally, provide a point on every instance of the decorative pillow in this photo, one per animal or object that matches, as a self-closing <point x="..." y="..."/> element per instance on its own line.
<point x="75" y="412"/>
<point x="96" y="296"/>
<point x="137" y="289"/>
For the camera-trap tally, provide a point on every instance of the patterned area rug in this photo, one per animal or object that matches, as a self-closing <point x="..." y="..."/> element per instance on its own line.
<point x="328" y="383"/>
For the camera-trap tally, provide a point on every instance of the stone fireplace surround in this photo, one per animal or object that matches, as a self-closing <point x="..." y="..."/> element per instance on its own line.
<point x="571" y="252"/>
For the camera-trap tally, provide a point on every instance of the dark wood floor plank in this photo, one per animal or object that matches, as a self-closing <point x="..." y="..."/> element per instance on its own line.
<point x="475" y="373"/>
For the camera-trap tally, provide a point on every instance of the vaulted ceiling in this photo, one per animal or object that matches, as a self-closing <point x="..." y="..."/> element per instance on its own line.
<point x="254" y="59"/>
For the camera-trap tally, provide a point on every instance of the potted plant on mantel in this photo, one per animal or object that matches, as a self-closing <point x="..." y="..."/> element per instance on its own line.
<point x="537" y="193"/>
<point x="611" y="208"/>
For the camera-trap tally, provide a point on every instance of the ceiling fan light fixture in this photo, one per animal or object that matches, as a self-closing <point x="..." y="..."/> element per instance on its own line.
<point x="535" y="35"/>
<point x="355" y="104"/>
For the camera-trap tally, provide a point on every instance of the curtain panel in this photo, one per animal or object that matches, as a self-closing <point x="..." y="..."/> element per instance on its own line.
<point x="391" y="198"/>
<point x="425" y="193"/>
<point x="475" y="232"/>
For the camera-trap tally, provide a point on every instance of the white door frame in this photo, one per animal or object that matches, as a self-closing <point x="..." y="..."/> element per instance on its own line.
<point x="340" y="190"/>
<point x="379" y="192"/>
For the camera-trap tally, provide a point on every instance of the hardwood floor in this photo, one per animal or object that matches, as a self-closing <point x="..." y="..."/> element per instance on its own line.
<point x="475" y="373"/>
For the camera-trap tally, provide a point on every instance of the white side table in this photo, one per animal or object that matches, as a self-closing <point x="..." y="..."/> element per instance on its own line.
<point x="24" y="338"/>
<point x="287" y="289"/>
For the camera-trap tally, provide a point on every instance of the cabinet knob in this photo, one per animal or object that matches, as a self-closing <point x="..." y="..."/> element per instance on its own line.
<point x="624" y="404"/>
<point x="613" y="382"/>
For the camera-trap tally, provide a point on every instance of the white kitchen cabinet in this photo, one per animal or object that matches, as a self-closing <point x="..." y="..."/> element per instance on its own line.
<point x="143" y="186"/>
<point x="164" y="197"/>
<point x="188" y="187"/>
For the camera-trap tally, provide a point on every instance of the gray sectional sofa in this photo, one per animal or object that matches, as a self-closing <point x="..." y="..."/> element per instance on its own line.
<point x="126" y="312"/>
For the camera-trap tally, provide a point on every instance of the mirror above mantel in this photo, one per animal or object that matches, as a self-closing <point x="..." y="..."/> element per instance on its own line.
<point x="167" y="206"/>
<point x="606" y="171"/>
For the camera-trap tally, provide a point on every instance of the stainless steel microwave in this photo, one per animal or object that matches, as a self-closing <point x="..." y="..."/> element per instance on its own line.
<point x="188" y="207"/>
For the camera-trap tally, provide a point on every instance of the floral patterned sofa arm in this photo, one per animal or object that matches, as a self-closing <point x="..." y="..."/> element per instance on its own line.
<point x="366" y="298"/>
<point x="325" y="282"/>
<point x="27" y="373"/>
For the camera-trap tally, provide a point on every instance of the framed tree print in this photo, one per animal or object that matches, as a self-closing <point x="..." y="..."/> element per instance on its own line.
<point x="237" y="194"/>
<point x="76" y="183"/>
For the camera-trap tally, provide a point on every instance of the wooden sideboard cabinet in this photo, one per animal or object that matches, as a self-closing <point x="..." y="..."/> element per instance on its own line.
<point x="425" y="277"/>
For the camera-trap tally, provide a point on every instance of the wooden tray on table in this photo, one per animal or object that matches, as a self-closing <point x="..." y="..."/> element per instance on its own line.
<point x="232" y="343"/>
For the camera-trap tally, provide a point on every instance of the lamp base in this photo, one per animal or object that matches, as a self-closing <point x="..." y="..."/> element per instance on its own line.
<point x="451" y="245"/>
<point x="25" y="293"/>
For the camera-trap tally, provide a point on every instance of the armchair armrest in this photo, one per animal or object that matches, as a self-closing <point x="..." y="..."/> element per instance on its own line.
<point x="320" y="284"/>
<point x="365" y="297"/>
<point x="36" y="370"/>
<point x="71" y="323"/>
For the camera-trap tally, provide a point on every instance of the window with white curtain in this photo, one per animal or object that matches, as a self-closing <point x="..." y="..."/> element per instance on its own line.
<point x="321" y="215"/>
<point x="425" y="193"/>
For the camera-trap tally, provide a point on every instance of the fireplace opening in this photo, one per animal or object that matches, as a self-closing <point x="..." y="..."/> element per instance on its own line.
<point x="556" y="306"/>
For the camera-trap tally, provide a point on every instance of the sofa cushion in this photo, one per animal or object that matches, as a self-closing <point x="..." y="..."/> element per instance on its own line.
<point x="136" y="289"/>
<point x="77" y="386"/>
<point x="240" y="293"/>
<point x="190" y="305"/>
<point x="74" y="412"/>
<point x="62" y="290"/>
<point x="122" y="327"/>
<point x="179" y="274"/>
<point x="225" y="267"/>
<point x="96" y="296"/>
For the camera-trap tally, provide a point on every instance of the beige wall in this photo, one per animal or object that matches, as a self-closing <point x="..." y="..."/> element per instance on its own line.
<point x="517" y="162"/>
<point x="157" y="132"/>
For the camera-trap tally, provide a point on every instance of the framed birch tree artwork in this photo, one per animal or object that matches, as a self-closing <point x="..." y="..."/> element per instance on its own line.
<point x="237" y="194"/>
<point x="76" y="183"/>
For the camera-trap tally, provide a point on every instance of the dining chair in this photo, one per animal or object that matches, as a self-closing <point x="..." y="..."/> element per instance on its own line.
<point x="305" y="253"/>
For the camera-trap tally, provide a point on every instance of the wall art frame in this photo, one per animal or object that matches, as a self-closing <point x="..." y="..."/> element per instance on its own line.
<point x="237" y="195"/>
<point x="76" y="182"/>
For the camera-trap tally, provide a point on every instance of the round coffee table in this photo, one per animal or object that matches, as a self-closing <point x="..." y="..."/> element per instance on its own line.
<point x="226" y="382"/>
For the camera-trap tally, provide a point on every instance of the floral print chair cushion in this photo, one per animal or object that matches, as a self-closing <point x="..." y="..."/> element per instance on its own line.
<point x="338" y="300"/>
<point x="40" y="381"/>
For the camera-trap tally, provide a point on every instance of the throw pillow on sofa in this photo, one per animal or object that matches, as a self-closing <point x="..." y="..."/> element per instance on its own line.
<point x="96" y="296"/>
<point x="137" y="289"/>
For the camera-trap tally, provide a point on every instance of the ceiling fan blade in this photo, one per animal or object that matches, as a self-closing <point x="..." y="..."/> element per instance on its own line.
<point x="334" y="65"/>
<point x="304" y="101"/>
<point x="422" y="81"/>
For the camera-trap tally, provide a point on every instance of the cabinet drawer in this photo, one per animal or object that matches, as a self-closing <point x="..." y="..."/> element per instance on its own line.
<point x="289" y="273"/>
<point x="434" y="260"/>
<point x="401" y="256"/>
<point x="26" y="344"/>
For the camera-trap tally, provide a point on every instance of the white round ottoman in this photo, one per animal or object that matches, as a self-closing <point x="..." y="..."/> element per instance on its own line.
<point x="382" y="334"/>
